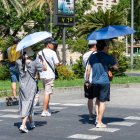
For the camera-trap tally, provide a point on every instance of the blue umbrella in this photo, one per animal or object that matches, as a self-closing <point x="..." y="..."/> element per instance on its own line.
<point x="32" y="39"/>
<point x="110" y="32"/>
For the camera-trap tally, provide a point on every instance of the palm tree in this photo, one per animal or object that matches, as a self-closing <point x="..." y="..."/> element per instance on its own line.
<point x="15" y="3"/>
<point x="40" y="4"/>
<point x="97" y="20"/>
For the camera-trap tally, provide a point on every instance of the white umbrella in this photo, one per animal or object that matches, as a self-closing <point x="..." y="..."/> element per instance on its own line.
<point x="32" y="39"/>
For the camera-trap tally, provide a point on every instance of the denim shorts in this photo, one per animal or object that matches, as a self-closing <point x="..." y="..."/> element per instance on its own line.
<point x="13" y="74"/>
<point x="103" y="92"/>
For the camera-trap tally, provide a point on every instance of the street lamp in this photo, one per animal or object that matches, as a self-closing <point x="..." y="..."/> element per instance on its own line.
<point x="132" y="35"/>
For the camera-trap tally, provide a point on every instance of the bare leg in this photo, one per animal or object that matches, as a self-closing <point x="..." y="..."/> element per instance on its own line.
<point x="46" y="102"/>
<point x="90" y="106"/>
<point x="13" y="86"/>
<point x="97" y="108"/>
<point x="24" y="120"/>
<point x="101" y="111"/>
<point x="30" y="119"/>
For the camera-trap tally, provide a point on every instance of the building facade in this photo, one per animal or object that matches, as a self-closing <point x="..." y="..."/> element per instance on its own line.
<point x="104" y="4"/>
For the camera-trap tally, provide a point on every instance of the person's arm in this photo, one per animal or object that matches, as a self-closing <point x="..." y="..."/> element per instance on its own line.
<point x="88" y="70"/>
<point x="113" y="63"/>
<point x="115" y="67"/>
<point x="55" y="60"/>
<point x="41" y="61"/>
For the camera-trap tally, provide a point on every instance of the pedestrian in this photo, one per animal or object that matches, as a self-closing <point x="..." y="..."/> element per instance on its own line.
<point x="48" y="77"/>
<point x="71" y="61"/>
<point x="91" y="95"/>
<point x="98" y="64"/>
<point x="27" y="69"/>
<point x="13" y="55"/>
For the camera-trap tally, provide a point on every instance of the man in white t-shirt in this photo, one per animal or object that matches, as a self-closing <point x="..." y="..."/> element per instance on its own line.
<point x="92" y="50"/>
<point x="48" y="76"/>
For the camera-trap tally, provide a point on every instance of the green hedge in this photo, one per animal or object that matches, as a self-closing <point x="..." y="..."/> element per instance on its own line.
<point x="4" y="72"/>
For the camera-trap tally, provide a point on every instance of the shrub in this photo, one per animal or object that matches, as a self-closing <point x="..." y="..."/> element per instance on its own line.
<point x="65" y="73"/>
<point x="136" y="62"/>
<point x="123" y="66"/>
<point x="78" y="68"/>
<point x="4" y="72"/>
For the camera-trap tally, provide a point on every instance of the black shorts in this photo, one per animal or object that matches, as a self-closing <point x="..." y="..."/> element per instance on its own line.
<point x="101" y="91"/>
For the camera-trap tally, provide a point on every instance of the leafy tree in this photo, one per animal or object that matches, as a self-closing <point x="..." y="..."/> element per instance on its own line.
<point x="97" y="20"/>
<point x="17" y="4"/>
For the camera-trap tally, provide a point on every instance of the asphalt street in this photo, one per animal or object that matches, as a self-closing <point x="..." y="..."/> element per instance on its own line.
<point x="69" y="119"/>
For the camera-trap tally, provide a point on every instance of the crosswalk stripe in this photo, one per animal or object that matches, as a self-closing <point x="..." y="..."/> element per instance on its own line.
<point x="72" y="104"/>
<point x="10" y="110"/>
<point x="122" y="123"/>
<point x="54" y="103"/>
<point x="10" y="116"/>
<point x="132" y="118"/>
<point x="105" y="129"/>
<point x="59" y="108"/>
<point x="84" y="137"/>
<point x="52" y="107"/>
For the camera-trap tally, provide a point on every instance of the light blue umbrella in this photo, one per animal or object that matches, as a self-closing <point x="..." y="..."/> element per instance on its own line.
<point x="110" y="32"/>
<point x="32" y="39"/>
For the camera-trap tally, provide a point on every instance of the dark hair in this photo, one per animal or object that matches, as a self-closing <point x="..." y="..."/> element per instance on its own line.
<point x="16" y="40"/>
<point x="23" y="61"/>
<point x="101" y="44"/>
<point x="91" y="46"/>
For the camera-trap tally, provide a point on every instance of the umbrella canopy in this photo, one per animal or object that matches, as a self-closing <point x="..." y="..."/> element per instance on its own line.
<point x="32" y="39"/>
<point x="110" y="32"/>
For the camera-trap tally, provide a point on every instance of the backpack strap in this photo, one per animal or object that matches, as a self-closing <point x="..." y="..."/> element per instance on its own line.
<point x="88" y="59"/>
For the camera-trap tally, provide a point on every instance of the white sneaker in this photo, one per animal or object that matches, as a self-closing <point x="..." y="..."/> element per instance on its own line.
<point x="32" y="125"/>
<point x="23" y="129"/>
<point x="48" y="114"/>
<point x="49" y="110"/>
<point x="45" y="114"/>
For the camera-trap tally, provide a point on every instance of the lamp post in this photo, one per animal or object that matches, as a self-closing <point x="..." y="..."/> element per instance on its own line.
<point x="132" y="35"/>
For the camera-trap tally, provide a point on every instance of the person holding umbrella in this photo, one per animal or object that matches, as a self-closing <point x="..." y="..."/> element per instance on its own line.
<point x="98" y="64"/>
<point x="27" y="68"/>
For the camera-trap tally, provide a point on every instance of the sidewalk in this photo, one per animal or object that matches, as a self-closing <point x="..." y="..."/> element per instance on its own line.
<point x="121" y="94"/>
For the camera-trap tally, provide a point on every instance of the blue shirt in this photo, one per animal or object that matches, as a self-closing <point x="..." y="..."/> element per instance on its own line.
<point x="99" y="71"/>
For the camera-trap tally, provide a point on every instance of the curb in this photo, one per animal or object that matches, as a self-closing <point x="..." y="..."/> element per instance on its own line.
<point x="74" y="90"/>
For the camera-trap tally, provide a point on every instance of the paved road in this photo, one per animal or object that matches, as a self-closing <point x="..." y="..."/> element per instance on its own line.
<point x="70" y="120"/>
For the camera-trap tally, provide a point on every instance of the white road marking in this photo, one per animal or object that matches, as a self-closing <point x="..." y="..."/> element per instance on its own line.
<point x="10" y="110"/>
<point x="105" y="129"/>
<point x="84" y="137"/>
<point x="59" y="108"/>
<point x="72" y="104"/>
<point x="54" y="103"/>
<point x="132" y="118"/>
<point x="122" y="123"/>
<point x="10" y="116"/>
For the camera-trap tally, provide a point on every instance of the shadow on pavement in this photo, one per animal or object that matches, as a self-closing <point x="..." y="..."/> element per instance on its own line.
<point x="37" y="124"/>
<point x="85" y="119"/>
<point x="40" y="111"/>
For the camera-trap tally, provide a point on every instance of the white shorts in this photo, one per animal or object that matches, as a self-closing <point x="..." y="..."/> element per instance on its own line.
<point x="48" y="85"/>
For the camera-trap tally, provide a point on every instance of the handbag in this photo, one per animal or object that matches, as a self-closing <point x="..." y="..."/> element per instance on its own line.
<point x="54" y="70"/>
<point x="91" y="91"/>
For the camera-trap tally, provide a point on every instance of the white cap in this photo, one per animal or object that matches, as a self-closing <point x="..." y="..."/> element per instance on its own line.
<point x="29" y="51"/>
<point x="92" y="42"/>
